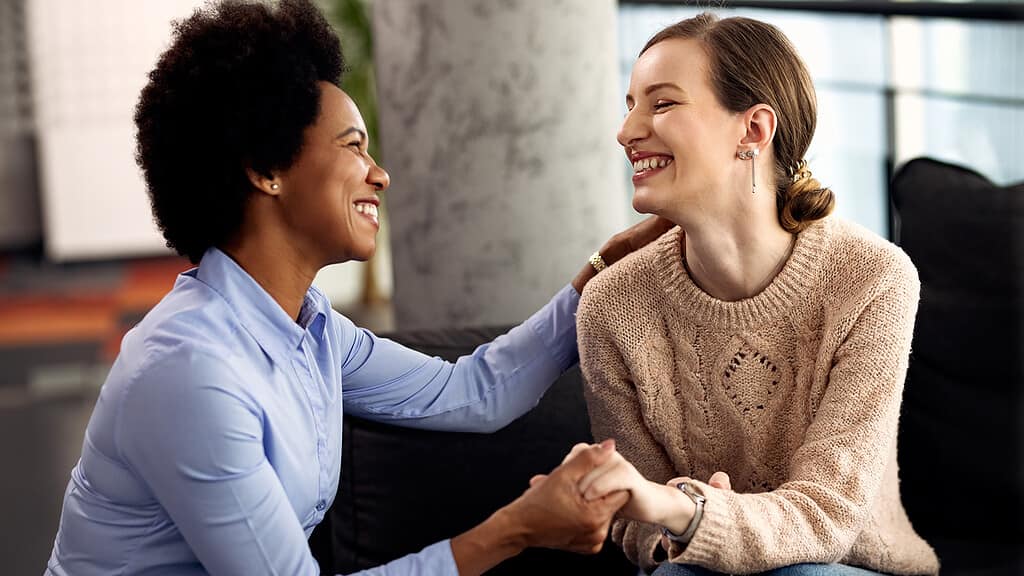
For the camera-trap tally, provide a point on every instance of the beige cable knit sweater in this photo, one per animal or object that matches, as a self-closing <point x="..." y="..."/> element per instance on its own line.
<point x="795" y="393"/>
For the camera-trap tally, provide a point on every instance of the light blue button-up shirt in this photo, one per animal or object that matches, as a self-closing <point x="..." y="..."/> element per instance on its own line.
<point x="215" y="445"/>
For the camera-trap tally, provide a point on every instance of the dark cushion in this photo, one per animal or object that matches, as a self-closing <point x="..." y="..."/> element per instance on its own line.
<point x="961" y="426"/>
<point x="403" y="489"/>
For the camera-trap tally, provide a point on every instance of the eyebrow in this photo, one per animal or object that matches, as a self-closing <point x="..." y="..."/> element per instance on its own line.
<point x="657" y="86"/>
<point x="661" y="85"/>
<point x="362" y="135"/>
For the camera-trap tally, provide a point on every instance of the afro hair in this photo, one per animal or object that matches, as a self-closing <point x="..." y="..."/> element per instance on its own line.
<point x="235" y="91"/>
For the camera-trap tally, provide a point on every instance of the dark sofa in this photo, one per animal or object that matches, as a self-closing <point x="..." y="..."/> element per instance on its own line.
<point x="403" y="489"/>
<point x="960" y="435"/>
<point x="962" y="431"/>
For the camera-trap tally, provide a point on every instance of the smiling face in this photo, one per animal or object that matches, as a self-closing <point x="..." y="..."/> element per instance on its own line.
<point x="681" y="141"/>
<point x="330" y="194"/>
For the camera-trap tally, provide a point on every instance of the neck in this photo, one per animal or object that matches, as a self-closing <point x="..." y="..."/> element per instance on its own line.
<point x="274" y="263"/>
<point x="735" y="260"/>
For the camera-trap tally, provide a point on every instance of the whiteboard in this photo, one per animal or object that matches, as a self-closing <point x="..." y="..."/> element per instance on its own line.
<point x="89" y="61"/>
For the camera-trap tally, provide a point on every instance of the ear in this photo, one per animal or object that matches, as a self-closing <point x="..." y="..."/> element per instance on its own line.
<point x="268" y="184"/>
<point x="760" y="122"/>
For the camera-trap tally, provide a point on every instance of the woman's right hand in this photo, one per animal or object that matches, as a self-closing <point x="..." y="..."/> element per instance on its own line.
<point x="552" y="511"/>
<point x="649" y="501"/>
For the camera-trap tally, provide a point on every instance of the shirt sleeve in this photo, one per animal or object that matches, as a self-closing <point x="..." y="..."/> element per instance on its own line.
<point x="187" y="429"/>
<point x="481" y="392"/>
<point x="434" y="560"/>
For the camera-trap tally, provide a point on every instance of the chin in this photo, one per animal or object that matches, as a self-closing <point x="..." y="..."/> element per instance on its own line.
<point x="360" y="255"/>
<point x="642" y="203"/>
<point x="357" y="253"/>
<point x="364" y="253"/>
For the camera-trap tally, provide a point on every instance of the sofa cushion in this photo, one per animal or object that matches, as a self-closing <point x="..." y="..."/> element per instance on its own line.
<point x="961" y="427"/>
<point x="404" y="489"/>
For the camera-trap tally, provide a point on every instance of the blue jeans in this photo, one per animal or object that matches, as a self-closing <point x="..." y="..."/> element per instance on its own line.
<point x="667" y="569"/>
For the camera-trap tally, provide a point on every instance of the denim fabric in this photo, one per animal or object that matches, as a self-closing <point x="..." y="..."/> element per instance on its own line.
<point x="668" y="569"/>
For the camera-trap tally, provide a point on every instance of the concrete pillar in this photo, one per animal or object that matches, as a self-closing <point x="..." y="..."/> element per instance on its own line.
<point x="498" y="122"/>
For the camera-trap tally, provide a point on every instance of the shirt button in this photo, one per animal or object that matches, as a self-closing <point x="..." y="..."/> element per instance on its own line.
<point x="320" y="506"/>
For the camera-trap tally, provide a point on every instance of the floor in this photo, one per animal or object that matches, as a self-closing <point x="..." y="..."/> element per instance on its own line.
<point x="60" y="330"/>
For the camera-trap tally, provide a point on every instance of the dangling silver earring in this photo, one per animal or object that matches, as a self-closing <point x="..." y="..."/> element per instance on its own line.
<point x="752" y="156"/>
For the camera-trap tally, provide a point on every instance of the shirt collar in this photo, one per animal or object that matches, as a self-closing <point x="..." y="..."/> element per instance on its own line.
<point x="257" y="311"/>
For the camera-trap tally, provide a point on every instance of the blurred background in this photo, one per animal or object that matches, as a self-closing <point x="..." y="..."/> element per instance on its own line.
<point x="497" y="121"/>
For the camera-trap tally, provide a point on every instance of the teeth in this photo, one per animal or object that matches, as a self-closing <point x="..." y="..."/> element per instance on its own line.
<point x="366" y="208"/>
<point x="651" y="162"/>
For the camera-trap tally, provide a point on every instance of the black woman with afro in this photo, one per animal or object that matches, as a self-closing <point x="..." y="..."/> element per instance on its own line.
<point x="215" y="444"/>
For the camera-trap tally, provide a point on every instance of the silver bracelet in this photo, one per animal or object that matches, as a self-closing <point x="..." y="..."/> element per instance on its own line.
<point x="698" y="501"/>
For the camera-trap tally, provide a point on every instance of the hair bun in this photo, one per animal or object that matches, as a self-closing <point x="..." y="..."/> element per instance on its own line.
<point x="805" y="200"/>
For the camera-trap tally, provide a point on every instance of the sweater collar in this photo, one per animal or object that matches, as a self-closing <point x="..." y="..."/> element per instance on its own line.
<point x="788" y="287"/>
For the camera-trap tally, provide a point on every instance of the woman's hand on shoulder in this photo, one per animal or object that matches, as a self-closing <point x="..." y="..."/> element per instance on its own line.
<point x="623" y="243"/>
<point x="634" y="238"/>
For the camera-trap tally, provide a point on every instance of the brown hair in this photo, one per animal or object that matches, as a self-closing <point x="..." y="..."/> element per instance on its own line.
<point x="752" y="62"/>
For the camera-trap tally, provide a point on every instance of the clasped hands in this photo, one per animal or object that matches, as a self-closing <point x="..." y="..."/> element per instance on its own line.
<point x="595" y="483"/>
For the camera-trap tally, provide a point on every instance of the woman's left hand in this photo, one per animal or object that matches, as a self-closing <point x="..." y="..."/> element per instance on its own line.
<point x="618" y="246"/>
<point x="718" y="480"/>
<point x="649" y="501"/>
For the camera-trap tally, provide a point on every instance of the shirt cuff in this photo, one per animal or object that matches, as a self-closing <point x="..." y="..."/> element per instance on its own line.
<point x="438" y="559"/>
<point x="555" y="325"/>
<point x="434" y="560"/>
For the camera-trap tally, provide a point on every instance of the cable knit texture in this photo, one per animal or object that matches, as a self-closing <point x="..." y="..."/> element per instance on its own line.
<point x="794" y="392"/>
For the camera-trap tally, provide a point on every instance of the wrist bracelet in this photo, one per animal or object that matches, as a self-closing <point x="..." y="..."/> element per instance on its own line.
<point x="597" y="262"/>
<point x="698" y="513"/>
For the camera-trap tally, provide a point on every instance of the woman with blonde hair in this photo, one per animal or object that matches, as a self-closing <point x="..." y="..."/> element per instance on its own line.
<point x="761" y="344"/>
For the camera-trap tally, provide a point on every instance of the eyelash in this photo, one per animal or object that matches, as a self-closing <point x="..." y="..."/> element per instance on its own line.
<point x="658" y="106"/>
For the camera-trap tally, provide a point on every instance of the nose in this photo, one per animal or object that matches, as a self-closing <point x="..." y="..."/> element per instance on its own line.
<point x="633" y="129"/>
<point x="377" y="176"/>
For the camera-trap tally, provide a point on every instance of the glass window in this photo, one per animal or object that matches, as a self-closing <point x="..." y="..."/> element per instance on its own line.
<point x="845" y="55"/>
<point x="959" y="93"/>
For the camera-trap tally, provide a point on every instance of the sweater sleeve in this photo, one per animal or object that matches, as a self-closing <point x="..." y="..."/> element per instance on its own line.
<point x="834" y="476"/>
<point x="615" y="413"/>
